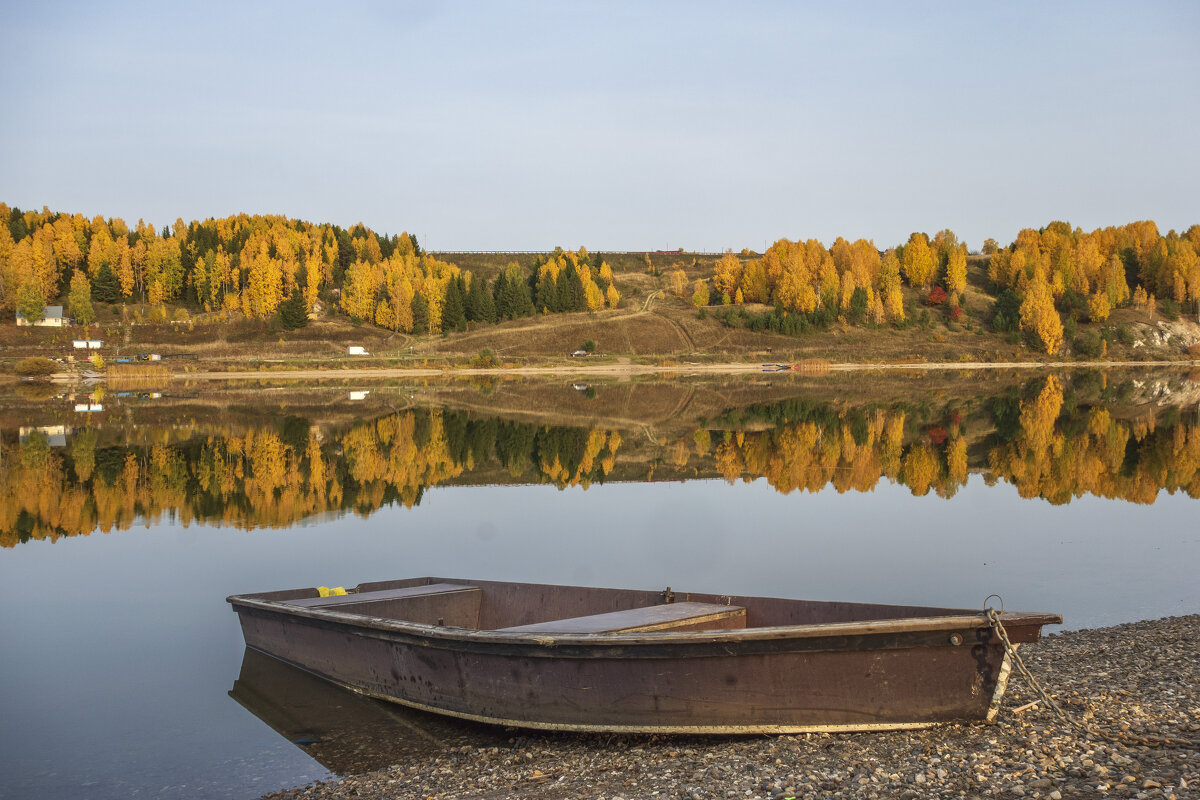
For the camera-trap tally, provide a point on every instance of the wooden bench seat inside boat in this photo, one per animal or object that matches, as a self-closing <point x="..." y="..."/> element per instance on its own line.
<point x="669" y="616"/>
<point x="452" y="604"/>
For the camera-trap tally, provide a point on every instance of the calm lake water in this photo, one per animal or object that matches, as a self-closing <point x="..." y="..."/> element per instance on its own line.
<point x="125" y="672"/>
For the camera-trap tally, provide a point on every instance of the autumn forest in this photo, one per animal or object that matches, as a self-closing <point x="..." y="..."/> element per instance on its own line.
<point x="265" y="267"/>
<point x="255" y="265"/>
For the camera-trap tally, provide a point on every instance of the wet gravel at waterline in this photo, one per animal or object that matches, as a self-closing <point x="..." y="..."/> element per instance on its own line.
<point x="1137" y="680"/>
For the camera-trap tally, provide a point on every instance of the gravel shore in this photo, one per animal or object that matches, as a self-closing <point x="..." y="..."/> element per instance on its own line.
<point x="1142" y="679"/>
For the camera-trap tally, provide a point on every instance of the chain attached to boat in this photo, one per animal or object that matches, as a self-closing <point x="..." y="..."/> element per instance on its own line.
<point x="1088" y="730"/>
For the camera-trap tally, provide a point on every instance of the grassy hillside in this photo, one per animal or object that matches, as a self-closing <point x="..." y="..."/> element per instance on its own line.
<point x="652" y="325"/>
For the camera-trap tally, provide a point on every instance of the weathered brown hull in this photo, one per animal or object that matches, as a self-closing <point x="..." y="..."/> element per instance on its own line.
<point x="793" y="678"/>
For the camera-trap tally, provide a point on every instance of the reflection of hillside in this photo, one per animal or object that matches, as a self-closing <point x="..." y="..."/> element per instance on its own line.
<point x="667" y="406"/>
<point x="1055" y="438"/>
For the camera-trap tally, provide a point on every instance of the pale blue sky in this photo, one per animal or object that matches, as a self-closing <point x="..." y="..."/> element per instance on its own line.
<point x="611" y="125"/>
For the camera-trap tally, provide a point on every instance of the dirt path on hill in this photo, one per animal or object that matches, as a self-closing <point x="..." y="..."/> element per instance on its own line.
<point x="688" y="341"/>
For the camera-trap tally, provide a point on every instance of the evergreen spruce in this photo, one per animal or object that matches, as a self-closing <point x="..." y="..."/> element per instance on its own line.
<point x="106" y="288"/>
<point x="16" y="224"/>
<point x="387" y="245"/>
<point x="502" y="297"/>
<point x="513" y="298"/>
<point x="571" y="296"/>
<point x="454" y="315"/>
<point x="293" y="312"/>
<point x="562" y="299"/>
<point x="577" y="293"/>
<point x="345" y="246"/>
<point x="547" y="293"/>
<point x="522" y="300"/>
<point x="480" y="307"/>
<point x="420" y="313"/>
<point x="857" y="312"/>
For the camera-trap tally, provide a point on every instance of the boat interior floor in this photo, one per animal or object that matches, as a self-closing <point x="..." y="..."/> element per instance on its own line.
<point x="538" y="609"/>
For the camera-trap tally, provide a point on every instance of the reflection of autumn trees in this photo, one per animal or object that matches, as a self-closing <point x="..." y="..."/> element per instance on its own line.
<point x="268" y="478"/>
<point x="1099" y="456"/>
<point x="850" y="452"/>
<point x="1044" y="441"/>
<point x="1052" y="454"/>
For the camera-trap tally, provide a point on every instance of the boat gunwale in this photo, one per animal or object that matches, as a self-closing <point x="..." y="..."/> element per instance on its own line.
<point x="468" y="636"/>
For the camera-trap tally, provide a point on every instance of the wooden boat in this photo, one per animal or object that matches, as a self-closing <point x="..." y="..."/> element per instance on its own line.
<point x="589" y="659"/>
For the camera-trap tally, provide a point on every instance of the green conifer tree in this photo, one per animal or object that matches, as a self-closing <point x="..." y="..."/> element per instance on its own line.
<point x="522" y="298"/>
<point x="502" y="298"/>
<point x="547" y="293"/>
<point x="454" y="314"/>
<point x="293" y="312"/>
<point x="420" y="312"/>
<point x="480" y="307"/>
<point x="106" y="288"/>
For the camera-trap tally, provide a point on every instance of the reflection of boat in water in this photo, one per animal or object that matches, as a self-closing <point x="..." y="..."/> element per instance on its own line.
<point x="346" y="733"/>
<point x="574" y="658"/>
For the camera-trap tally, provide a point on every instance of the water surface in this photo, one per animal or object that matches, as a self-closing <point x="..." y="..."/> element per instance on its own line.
<point x="126" y="673"/>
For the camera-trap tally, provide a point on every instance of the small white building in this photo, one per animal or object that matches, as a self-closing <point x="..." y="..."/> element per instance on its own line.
<point x="52" y="318"/>
<point x="87" y="344"/>
<point x="355" y="350"/>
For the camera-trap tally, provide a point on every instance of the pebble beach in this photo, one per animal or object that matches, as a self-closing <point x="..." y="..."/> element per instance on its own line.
<point x="1136" y="681"/>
